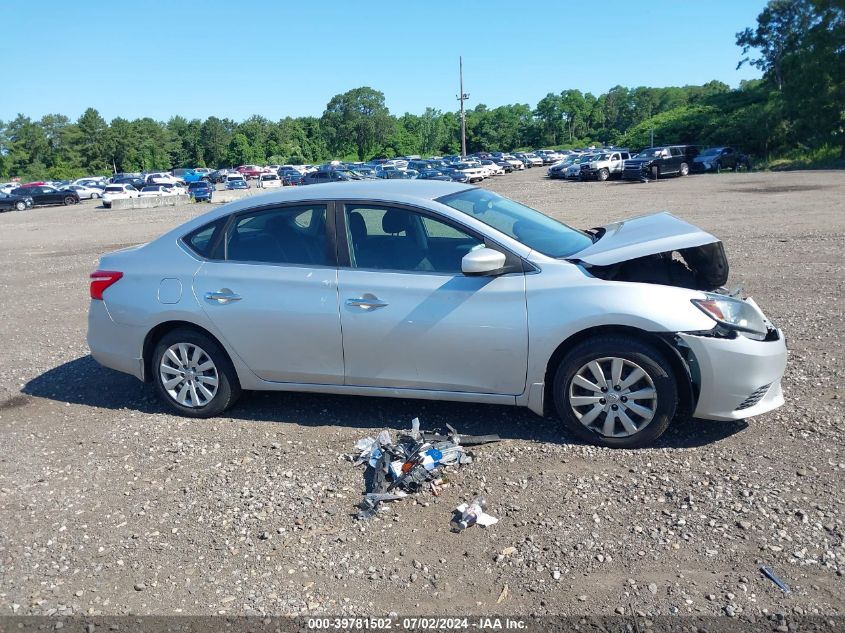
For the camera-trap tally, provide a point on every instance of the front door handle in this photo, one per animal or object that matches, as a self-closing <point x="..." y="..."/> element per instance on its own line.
<point x="222" y="296"/>
<point x="366" y="302"/>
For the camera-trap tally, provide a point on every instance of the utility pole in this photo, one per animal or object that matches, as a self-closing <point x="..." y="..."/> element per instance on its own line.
<point x="463" y="97"/>
<point x="652" y="138"/>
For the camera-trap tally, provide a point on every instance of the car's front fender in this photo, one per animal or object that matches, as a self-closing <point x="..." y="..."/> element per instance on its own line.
<point x="562" y="301"/>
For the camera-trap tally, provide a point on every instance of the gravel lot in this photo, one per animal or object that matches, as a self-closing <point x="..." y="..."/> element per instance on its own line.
<point x="109" y="505"/>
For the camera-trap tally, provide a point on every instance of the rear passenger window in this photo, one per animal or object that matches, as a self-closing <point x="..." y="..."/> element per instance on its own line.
<point x="202" y="240"/>
<point x="290" y="235"/>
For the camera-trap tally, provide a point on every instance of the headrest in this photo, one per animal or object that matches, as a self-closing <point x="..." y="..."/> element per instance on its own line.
<point x="394" y="221"/>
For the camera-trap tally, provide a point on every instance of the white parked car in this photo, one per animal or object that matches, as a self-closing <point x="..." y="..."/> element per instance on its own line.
<point x="86" y="193"/>
<point x="158" y="191"/>
<point x="269" y="181"/>
<point x="472" y="171"/>
<point x="492" y="169"/>
<point x="7" y="187"/>
<point x="513" y="161"/>
<point x="91" y="180"/>
<point x="118" y="192"/>
<point x="534" y="160"/>
<point x="162" y="179"/>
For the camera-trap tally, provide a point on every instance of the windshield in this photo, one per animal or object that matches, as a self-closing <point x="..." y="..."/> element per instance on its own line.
<point x="530" y="227"/>
<point x="650" y="153"/>
<point x="712" y="151"/>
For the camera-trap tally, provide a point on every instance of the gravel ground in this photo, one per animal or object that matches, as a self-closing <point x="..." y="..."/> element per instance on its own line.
<point x="110" y="505"/>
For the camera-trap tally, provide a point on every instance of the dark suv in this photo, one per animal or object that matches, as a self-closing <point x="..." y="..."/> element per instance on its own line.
<point x="656" y="162"/>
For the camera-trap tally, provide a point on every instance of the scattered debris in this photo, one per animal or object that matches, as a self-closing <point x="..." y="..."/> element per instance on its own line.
<point x="503" y="595"/>
<point x="768" y="573"/>
<point x="472" y="513"/>
<point x="396" y="469"/>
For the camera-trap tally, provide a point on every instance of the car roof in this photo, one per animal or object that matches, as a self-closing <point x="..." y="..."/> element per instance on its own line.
<point x="398" y="191"/>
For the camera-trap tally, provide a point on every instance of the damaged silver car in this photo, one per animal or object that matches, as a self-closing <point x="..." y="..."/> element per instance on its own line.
<point x="442" y="291"/>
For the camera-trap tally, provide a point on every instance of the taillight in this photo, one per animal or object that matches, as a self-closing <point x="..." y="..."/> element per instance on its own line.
<point x="102" y="279"/>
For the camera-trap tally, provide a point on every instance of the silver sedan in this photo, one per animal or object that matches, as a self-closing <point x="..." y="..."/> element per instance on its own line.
<point x="444" y="291"/>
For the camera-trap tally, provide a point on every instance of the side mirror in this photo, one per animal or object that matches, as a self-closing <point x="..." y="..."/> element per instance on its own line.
<point x="482" y="261"/>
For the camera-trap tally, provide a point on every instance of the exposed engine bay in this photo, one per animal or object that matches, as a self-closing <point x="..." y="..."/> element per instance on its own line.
<point x="697" y="268"/>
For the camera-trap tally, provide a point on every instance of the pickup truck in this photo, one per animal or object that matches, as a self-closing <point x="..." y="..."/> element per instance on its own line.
<point x="656" y="162"/>
<point x="604" y="166"/>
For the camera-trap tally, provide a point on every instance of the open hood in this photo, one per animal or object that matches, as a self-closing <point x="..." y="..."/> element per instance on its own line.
<point x="658" y="249"/>
<point x="641" y="236"/>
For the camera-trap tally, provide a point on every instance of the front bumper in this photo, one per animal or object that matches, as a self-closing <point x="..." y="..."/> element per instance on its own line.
<point x="738" y="377"/>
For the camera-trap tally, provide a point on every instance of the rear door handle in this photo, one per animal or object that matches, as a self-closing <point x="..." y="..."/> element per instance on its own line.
<point x="367" y="303"/>
<point x="222" y="296"/>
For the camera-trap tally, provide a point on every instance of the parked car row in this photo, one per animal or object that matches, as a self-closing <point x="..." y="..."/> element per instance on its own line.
<point x="648" y="164"/>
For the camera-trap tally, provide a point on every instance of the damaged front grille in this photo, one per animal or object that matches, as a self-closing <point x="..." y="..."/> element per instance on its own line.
<point x="754" y="398"/>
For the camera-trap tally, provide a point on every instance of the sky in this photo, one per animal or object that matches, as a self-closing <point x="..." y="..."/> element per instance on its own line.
<point x="275" y="58"/>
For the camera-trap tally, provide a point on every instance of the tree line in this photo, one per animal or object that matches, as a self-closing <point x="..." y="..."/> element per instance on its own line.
<point x="797" y="108"/>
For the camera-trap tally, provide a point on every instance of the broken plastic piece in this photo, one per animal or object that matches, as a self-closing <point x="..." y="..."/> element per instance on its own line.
<point x="472" y="513"/>
<point x="768" y="573"/>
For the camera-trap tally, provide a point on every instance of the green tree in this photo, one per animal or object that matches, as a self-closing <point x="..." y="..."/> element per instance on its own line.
<point x="358" y="118"/>
<point x="92" y="140"/>
<point x="214" y="141"/>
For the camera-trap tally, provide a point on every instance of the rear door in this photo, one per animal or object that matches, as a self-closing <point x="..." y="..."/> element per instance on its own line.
<point x="271" y="292"/>
<point x="411" y="319"/>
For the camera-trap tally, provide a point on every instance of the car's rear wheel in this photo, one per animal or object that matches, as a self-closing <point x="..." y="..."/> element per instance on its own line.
<point x="20" y="205"/>
<point x="616" y="392"/>
<point x="193" y="375"/>
<point x="69" y="200"/>
<point x="603" y="175"/>
<point x="684" y="170"/>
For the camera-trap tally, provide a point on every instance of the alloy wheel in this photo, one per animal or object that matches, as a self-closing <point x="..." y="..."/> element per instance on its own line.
<point x="188" y="375"/>
<point x="612" y="396"/>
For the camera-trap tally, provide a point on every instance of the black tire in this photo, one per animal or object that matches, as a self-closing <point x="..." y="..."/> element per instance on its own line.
<point x="603" y="175"/>
<point x="718" y="167"/>
<point x="642" y="354"/>
<point x="228" y="388"/>
<point x="683" y="170"/>
<point x="69" y="200"/>
<point x="655" y="172"/>
<point x="20" y="205"/>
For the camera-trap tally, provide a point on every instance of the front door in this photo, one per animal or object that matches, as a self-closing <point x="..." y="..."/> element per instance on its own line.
<point x="272" y="294"/>
<point x="411" y="319"/>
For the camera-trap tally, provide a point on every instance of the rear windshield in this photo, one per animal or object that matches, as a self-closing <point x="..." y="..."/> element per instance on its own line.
<point x="524" y="224"/>
<point x="114" y="189"/>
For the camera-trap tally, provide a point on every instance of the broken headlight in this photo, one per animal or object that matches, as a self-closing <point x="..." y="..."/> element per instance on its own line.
<point x="732" y="313"/>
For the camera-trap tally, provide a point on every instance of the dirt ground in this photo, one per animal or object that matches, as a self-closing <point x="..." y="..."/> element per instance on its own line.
<point x="110" y="505"/>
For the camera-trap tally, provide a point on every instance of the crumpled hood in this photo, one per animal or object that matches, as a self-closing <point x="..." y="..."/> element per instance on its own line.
<point x="641" y="236"/>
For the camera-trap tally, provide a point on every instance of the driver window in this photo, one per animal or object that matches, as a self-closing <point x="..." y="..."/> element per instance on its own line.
<point x="387" y="238"/>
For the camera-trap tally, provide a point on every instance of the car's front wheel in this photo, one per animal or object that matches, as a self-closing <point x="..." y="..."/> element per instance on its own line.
<point x="69" y="200"/>
<point x="684" y="170"/>
<point x="603" y="175"/>
<point x="193" y="375"/>
<point x="616" y="392"/>
<point x="20" y="205"/>
<point x="94" y="196"/>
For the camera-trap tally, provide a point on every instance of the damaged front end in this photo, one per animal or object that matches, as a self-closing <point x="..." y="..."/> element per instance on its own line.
<point x="656" y="249"/>
<point x="734" y="367"/>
